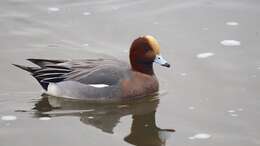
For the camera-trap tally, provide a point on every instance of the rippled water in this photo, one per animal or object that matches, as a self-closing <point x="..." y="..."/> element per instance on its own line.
<point x="209" y="97"/>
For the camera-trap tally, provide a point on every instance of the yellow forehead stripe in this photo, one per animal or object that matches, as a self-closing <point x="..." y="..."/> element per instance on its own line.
<point x="153" y="43"/>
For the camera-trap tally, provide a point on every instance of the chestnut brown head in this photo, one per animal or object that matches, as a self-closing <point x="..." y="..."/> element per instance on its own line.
<point x="144" y="52"/>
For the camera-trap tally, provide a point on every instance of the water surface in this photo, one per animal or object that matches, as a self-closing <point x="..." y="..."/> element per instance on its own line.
<point x="209" y="97"/>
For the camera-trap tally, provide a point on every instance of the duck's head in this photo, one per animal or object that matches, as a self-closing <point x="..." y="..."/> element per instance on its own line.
<point x="144" y="52"/>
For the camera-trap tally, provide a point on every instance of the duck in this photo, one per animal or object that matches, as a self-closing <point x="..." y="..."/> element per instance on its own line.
<point x="102" y="80"/>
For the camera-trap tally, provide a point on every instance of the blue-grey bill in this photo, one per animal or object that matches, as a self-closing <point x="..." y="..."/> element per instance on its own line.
<point x="160" y="60"/>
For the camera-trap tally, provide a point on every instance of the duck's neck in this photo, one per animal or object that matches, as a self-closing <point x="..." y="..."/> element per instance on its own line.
<point x="143" y="68"/>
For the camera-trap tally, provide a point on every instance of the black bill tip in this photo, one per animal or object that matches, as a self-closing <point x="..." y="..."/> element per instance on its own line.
<point x="166" y="65"/>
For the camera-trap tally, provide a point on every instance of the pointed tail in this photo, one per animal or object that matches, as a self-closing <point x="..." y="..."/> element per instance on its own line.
<point x="27" y="68"/>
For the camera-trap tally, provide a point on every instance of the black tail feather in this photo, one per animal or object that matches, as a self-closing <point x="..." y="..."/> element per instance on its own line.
<point x="27" y="68"/>
<point x="47" y="71"/>
<point x="44" y="62"/>
<point x="32" y="70"/>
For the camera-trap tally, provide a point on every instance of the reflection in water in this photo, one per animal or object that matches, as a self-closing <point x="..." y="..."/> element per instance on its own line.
<point x="144" y="131"/>
<point x="105" y="117"/>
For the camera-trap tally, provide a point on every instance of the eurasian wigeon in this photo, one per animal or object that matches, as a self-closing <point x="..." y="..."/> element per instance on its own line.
<point x="102" y="80"/>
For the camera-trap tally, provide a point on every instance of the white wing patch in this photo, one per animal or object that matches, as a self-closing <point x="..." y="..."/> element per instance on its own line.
<point x="98" y="85"/>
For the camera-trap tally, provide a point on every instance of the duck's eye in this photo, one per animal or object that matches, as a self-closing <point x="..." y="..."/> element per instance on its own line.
<point x="146" y="49"/>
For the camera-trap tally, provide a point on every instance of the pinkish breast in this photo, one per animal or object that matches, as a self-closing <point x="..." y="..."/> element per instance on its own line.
<point x="139" y="85"/>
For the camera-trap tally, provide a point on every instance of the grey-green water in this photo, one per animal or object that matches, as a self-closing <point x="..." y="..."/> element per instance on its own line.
<point x="208" y="101"/>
